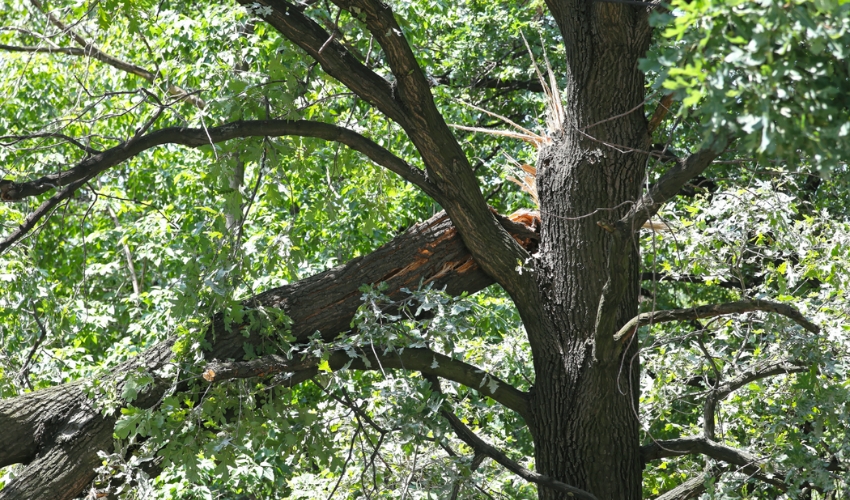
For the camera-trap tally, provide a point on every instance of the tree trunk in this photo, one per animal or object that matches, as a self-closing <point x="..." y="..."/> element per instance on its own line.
<point x="584" y="402"/>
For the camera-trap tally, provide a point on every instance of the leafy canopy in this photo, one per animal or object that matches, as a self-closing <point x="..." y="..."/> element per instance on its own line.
<point x="774" y="75"/>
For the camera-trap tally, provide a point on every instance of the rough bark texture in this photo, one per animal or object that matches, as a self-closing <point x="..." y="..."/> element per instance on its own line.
<point x="584" y="401"/>
<point x="57" y="433"/>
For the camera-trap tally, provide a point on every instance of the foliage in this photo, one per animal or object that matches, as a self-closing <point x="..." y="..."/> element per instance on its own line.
<point x="149" y="249"/>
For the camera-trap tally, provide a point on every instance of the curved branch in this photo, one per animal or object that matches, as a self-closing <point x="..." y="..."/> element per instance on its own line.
<point x="720" y="392"/>
<point x="197" y="137"/>
<point x="74" y="177"/>
<point x="377" y="358"/>
<point x="745" y="461"/>
<point x="713" y="310"/>
<point x="482" y="447"/>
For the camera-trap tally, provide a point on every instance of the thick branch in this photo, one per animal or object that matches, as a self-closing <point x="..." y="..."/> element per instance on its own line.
<point x="446" y="162"/>
<point x="482" y="447"/>
<point x="334" y="58"/>
<point x="746" y="462"/>
<point x="691" y="489"/>
<point x="377" y="358"/>
<point x="713" y="310"/>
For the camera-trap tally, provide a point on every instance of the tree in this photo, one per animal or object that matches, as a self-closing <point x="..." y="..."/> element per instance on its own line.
<point x="182" y="181"/>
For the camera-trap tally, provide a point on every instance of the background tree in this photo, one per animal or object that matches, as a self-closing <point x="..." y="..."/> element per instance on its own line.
<point x="225" y="274"/>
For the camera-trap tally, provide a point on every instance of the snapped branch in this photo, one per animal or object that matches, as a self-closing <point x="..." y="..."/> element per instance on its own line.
<point x="431" y="252"/>
<point x="377" y="358"/>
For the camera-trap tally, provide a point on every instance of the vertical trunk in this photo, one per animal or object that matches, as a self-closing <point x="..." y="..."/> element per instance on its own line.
<point x="585" y="399"/>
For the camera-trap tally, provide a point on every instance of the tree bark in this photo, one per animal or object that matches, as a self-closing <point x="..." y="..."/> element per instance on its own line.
<point x="584" y="401"/>
<point x="57" y="432"/>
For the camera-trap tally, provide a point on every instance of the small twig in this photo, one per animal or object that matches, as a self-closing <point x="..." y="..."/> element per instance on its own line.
<point x="91" y="50"/>
<point x="24" y="373"/>
<point x="127" y="254"/>
<point x="53" y="135"/>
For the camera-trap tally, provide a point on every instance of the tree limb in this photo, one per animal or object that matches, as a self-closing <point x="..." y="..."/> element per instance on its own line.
<point x="745" y="461"/>
<point x="334" y="58"/>
<point x="692" y="488"/>
<point x="197" y="137"/>
<point x="429" y="253"/>
<point x="670" y="184"/>
<point x="93" y="165"/>
<point x="446" y="163"/>
<point x="713" y="310"/>
<point x="376" y="358"/>
<point x="480" y="446"/>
